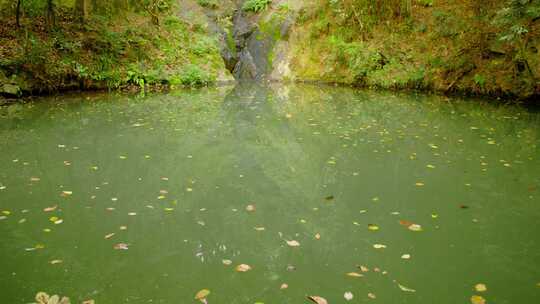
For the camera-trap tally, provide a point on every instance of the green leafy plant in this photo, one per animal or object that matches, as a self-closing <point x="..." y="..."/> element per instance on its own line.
<point x="193" y="76"/>
<point x="256" y="6"/>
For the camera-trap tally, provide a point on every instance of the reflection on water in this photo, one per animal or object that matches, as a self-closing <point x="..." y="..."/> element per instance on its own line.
<point x="349" y="175"/>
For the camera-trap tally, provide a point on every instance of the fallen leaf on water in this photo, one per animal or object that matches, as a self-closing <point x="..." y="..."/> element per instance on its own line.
<point x="348" y="296"/>
<point x="415" y="227"/>
<point x="243" y="268"/>
<point x="406" y="256"/>
<point x="260" y="228"/>
<point x="202" y="294"/>
<point x="317" y="299"/>
<point x="42" y="298"/>
<point x="110" y="235"/>
<point x="226" y="262"/>
<point x="371" y="295"/>
<point x="363" y="268"/>
<point x="293" y="243"/>
<point x="480" y="287"/>
<point x="419" y="184"/>
<point x="355" y="274"/>
<point x="405" y="223"/>
<point x="317" y="236"/>
<point x="284" y="286"/>
<point x="123" y="227"/>
<point x="250" y="208"/>
<point x="35" y="179"/>
<point x="379" y="246"/>
<point x="406" y="289"/>
<point x="66" y="193"/>
<point x="478" y="300"/>
<point x="121" y="246"/>
<point x="372" y="227"/>
<point x="58" y="222"/>
<point x="50" y="209"/>
<point x="54" y="262"/>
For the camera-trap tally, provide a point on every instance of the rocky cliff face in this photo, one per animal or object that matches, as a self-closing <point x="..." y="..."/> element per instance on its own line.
<point x="253" y="46"/>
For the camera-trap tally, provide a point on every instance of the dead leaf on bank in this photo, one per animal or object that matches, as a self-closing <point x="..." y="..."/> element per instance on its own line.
<point x="317" y="300"/>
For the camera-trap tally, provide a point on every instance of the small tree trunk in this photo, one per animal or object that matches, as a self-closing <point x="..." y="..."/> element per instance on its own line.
<point x="83" y="8"/>
<point x="50" y="14"/>
<point x="18" y="14"/>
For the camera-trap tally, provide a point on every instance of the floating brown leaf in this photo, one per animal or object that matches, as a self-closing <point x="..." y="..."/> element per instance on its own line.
<point x="317" y="299"/>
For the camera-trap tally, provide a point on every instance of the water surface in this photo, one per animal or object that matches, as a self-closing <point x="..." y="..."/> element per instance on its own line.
<point x="337" y="170"/>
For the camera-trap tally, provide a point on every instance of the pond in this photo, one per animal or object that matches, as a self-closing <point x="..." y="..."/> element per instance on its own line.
<point x="269" y="194"/>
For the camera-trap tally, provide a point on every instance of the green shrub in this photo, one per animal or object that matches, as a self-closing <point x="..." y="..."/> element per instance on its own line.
<point x="208" y="3"/>
<point x="426" y="3"/>
<point x="256" y="6"/>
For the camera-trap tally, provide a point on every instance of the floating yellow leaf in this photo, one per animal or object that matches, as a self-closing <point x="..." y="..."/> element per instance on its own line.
<point x="373" y="227"/>
<point x="478" y="300"/>
<point x="379" y="246"/>
<point x="480" y="287"/>
<point x="202" y="294"/>
<point x="250" y="208"/>
<point x="355" y="274"/>
<point x="406" y="289"/>
<point x="317" y="236"/>
<point x="226" y="262"/>
<point x="284" y="286"/>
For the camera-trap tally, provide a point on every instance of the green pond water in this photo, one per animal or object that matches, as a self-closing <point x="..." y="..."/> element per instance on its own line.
<point x="197" y="182"/>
